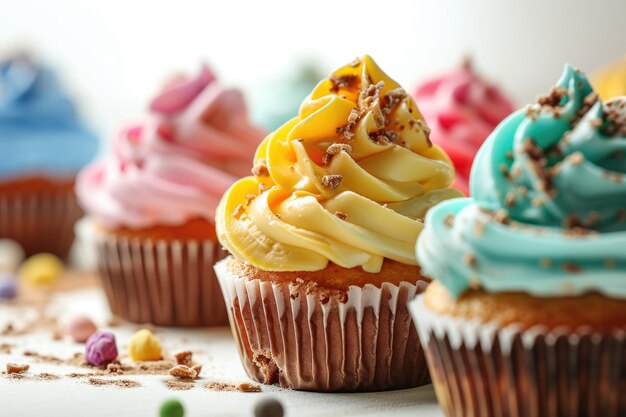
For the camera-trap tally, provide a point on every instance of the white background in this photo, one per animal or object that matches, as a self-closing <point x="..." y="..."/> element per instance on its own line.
<point x="113" y="54"/>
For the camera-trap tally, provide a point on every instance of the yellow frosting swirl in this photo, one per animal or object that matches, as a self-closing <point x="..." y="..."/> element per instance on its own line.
<point x="610" y="81"/>
<point x="348" y="180"/>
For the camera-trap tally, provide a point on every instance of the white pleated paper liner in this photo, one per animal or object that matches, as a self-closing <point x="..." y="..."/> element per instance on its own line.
<point x="163" y="282"/>
<point x="487" y="371"/>
<point x="40" y="222"/>
<point x="307" y="342"/>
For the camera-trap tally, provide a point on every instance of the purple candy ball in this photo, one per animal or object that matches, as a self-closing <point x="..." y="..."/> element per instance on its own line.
<point x="101" y="348"/>
<point x="8" y="287"/>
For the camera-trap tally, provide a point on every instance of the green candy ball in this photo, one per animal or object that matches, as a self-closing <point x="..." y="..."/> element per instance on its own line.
<point x="172" y="408"/>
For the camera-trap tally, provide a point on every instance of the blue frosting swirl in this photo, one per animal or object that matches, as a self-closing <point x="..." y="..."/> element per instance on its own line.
<point x="40" y="131"/>
<point x="547" y="215"/>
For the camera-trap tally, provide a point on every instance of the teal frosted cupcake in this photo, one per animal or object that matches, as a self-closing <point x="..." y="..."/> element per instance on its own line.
<point x="43" y="144"/>
<point x="527" y="314"/>
<point x="276" y="101"/>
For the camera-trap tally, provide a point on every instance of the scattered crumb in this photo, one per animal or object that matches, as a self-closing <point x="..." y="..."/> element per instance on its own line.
<point x="119" y="383"/>
<point x="184" y="358"/>
<point x="15" y="376"/>
<point x="7" y="330"/>
<point x="161" y="367"/>
<point x="248" y="387"/>
<point x="183" y="372"/>
<point x="45" y="376"/>
<point x="226" y="386"/>
<point x="180" y="385"/>
<point x="76" y="360"/>
<point x="82" y="375"/>
<point x="57" y="334"/>
<point x="113" y="322"/>
<point x="14" y="368"/>
<point x="220" y="386"/>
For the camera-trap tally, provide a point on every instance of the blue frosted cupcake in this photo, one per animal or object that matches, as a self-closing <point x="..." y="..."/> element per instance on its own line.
<point x="527" y="313"/>
<point x="43" y="144"/>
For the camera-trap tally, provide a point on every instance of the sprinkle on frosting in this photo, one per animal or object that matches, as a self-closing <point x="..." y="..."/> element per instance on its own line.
<point x="331" y="181"/>
<point x="260" y="168"/>
<point x="343" y="82"/>
<point x="333" y="150"/>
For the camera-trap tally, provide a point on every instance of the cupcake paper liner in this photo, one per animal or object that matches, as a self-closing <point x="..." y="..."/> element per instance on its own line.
<point x="166" y="283"/>
<point x="488" y="371"/>
<point x="40" y="222"/>
<point x="286" y="335"/>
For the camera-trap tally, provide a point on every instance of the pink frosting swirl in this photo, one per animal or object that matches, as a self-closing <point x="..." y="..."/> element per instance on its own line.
<point x="462" y="110"/>
<point x="175" y="164"/>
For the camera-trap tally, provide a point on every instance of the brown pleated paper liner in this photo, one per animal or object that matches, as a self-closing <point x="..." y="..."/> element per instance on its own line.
<point x="366" y="342"/>
<point x="485" y="371"/>
<point x="166" y="283"/>
<point x="40" y="221"/>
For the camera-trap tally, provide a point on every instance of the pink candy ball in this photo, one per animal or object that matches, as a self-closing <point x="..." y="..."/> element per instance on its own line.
<point x="101" y="348"/>
<point x="80" y="328"/>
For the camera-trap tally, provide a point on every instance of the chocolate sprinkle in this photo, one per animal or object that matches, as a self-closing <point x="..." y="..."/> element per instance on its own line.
<point x="260" y="168"/>
<point x="571" y="267"/>
<point x="449" y="220"/>
<point x="346" y="82"/>
<point x="384" y="137"/>
<point x="331" y="181"/>
<point x="333" y="150"/>
<point x="341" y="215"/>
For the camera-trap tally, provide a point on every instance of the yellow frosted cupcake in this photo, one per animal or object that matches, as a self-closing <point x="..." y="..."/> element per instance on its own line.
<point x="322" y="239"/>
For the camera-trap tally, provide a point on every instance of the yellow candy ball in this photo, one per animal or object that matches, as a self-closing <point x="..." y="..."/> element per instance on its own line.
<point x="144" y="346"/>
<point x="41" y="269"/>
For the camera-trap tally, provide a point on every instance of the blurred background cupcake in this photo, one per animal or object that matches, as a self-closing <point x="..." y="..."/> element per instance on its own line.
<point x="278" y="99"/>
<point x="43" y="144"/>
<point x="151" y="202"/>
<point x="462" y="109"/>
<point x="323" y="238"/>
<point x="528" y="309"/>
<point x="610" y="81"/>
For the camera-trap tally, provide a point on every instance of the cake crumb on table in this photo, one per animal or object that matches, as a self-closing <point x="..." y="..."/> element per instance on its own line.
<point x="14" y="368"/>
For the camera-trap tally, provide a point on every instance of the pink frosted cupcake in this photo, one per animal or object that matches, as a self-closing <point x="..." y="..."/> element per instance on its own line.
<point x="151" y="202"/>
<point x="462" y="109"/>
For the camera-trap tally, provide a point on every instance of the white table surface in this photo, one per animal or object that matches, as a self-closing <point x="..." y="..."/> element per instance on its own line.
<point x="214" y="348"/>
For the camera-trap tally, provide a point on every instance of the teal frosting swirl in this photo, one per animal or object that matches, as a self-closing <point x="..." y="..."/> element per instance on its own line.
<point x="547" y="215"/>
